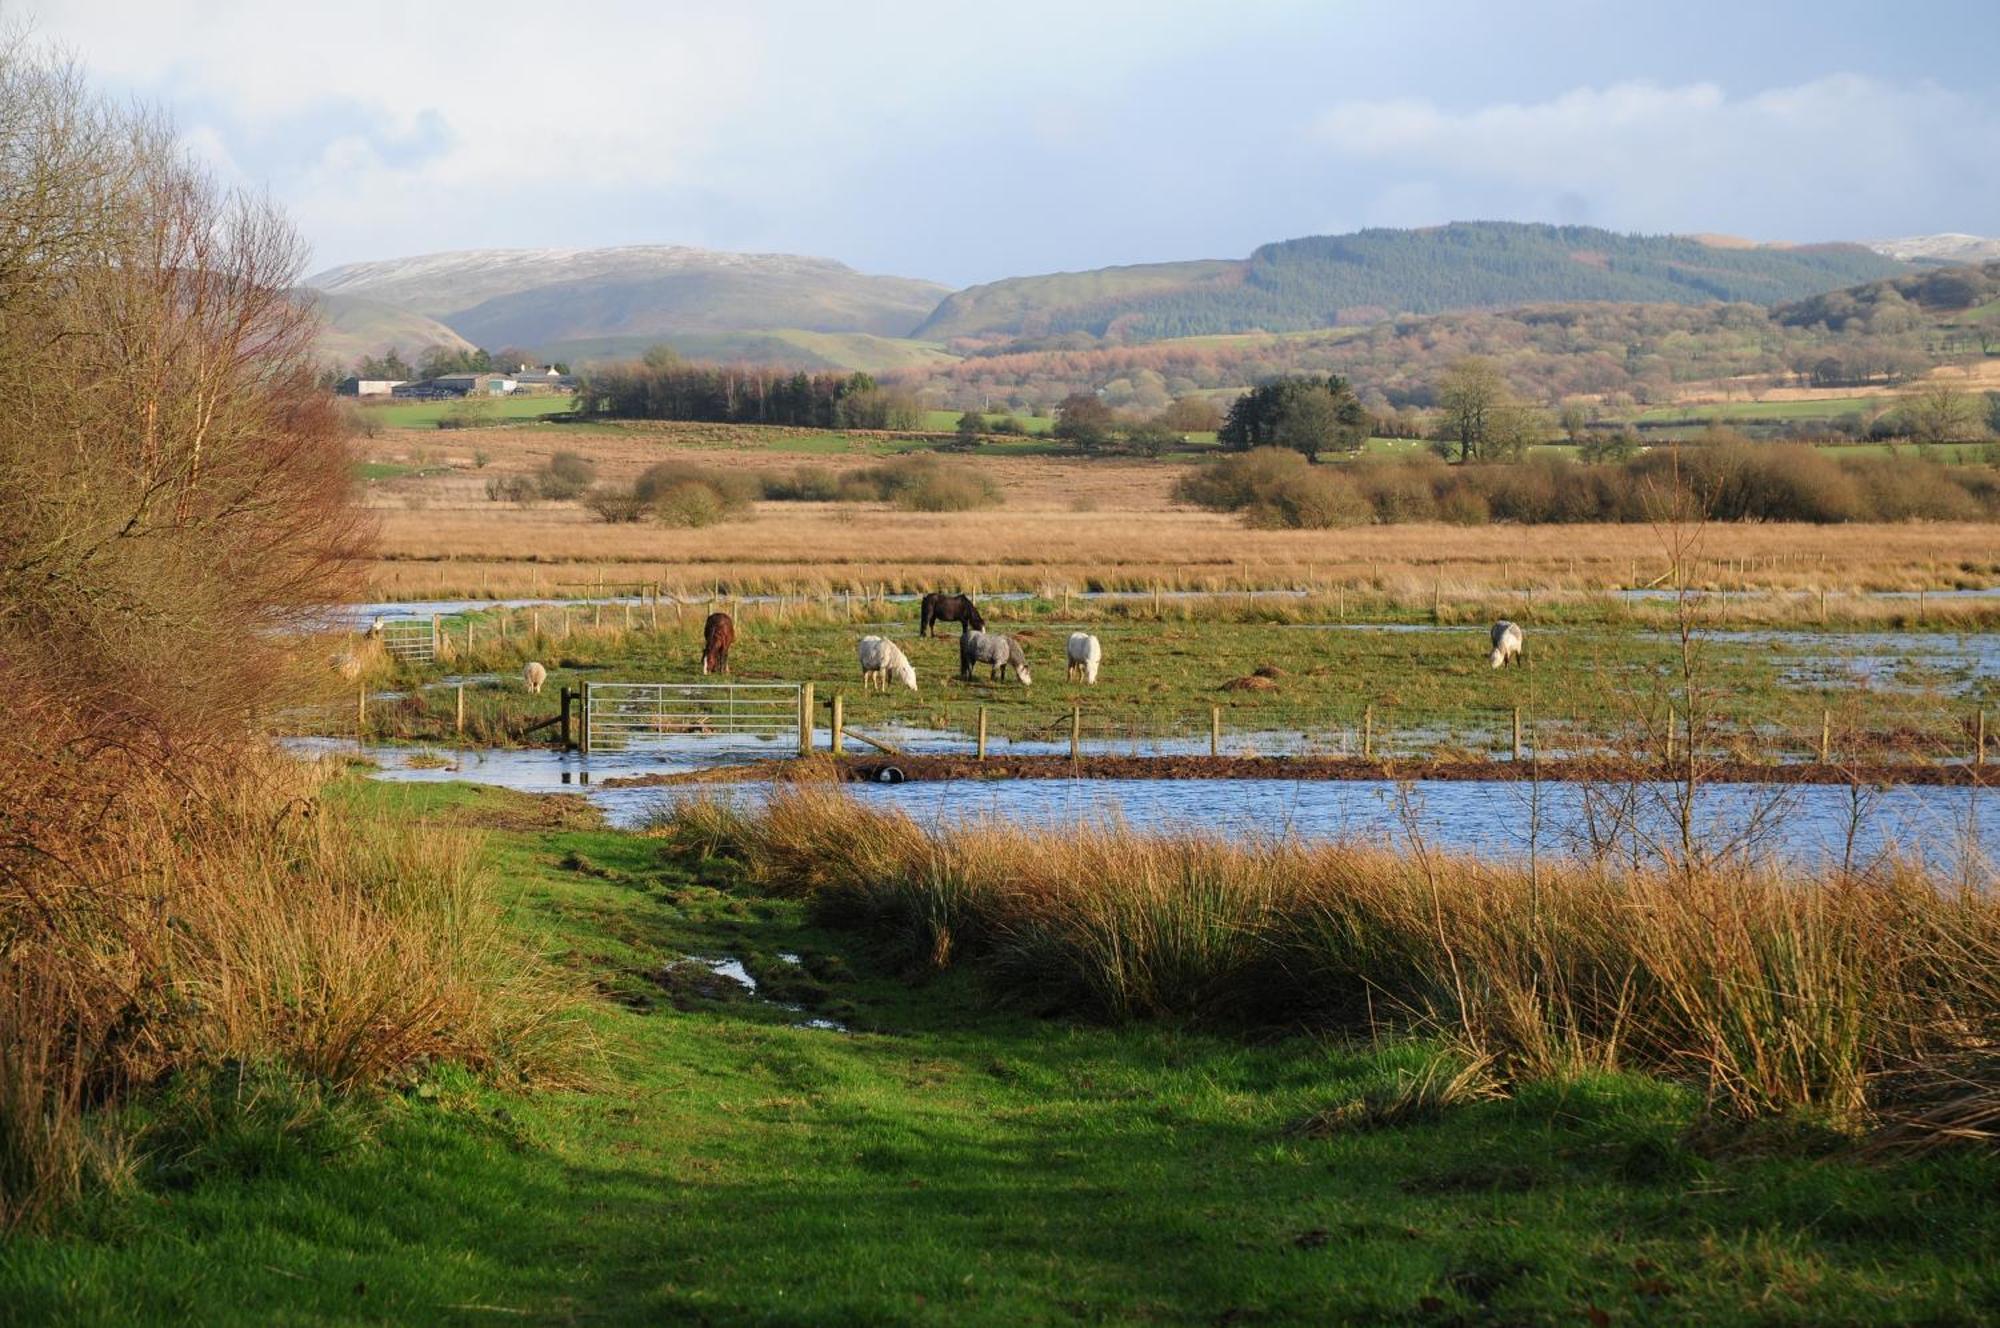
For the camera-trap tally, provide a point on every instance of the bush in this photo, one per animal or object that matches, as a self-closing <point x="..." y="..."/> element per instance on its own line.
<point x="565" y="476"/>
<point x="734" y="490"/>
<point x="807" y="484"/>
<point x="615" y="505"/>
<point x="467" y="413"/>
<point x="520" y="489"/>
<point x="691" y="504"/>
<point x="921" y="484"/>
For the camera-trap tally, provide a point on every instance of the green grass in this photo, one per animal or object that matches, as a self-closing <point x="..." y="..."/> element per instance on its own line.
<point x="951" y="1162"/>
<point x="1776" y="411"/>
<point x="499" y="410"/>
<point x="944" y="421"/>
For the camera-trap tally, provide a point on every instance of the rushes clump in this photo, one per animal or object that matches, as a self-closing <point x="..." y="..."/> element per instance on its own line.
<point x="1841" y="997"/>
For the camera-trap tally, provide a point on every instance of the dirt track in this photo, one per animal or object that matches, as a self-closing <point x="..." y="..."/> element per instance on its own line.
<point x="870" y="769"/>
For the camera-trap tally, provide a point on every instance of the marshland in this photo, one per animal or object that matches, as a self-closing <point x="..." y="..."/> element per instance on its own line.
<point x="407" y="915"/>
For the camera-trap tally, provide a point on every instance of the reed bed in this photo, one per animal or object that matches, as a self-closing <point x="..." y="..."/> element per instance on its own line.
<point x="244" y="920"/>
<point x="1853" y="999"/>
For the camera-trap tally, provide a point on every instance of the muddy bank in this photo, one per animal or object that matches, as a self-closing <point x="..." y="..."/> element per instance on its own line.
<point x="875" y="769"/>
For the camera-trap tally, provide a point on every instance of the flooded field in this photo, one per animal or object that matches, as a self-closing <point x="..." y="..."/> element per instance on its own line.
<point x="1810" y="825"/>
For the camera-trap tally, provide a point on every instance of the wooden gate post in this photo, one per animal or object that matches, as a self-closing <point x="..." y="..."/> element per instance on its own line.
<point x="1825" y="736"/>
<point x="1075" y="732"/>
<point x="361" y="712"/>
<point x="836" y="704"/>
<point x="1215" y="730"/>
<point x="461" y="710"/>
<point x="806" y="719"/>
<point x="982" y="733"/>
<point x="1517" y="733"/>
<point x="1368" y="733"/>
<point x="1670" y="735"/>
<point x="565" y="718"/>
<point x="1979" y="753"/>
<point x="583" y="725"/>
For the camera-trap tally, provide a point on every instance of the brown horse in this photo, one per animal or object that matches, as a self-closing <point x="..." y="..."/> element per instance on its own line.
<point x="960" y="609"/>
<point x="717" y="635"/>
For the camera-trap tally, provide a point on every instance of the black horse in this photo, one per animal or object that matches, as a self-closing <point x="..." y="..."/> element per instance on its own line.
<point x="950" y="608"/>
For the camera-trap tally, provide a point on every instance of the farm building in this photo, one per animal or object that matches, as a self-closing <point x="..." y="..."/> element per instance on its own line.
<point x="458" y="385"/>
<point x="367" y="387"/>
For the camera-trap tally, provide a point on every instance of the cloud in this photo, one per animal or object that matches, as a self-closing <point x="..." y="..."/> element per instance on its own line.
<point x="1838" y="157"/>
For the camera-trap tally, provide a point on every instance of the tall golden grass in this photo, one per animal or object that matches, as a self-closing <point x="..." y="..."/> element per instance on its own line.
<point x="1772" y="993"/>
<point x="245" y="919"/>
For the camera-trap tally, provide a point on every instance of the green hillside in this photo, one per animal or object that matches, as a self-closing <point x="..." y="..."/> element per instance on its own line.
<point x="1321" y="281"/>
<point x="354" y="327"/>
<point x="791" y="348"/>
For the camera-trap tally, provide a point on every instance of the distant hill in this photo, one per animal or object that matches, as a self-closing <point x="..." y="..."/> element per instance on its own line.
<point x="1323" y="281"/>
<point x="1950" y="247"/>
<point x="356" y="327"/>
<point x="1943" y="296"/>
<point x="788" y="348"/>
<point x="536" y="298"/>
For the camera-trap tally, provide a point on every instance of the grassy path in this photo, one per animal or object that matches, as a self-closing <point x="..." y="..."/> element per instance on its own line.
<point x="949" y="1163"/>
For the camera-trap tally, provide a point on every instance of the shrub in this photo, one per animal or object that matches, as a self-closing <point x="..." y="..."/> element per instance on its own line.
<point x="565" y="476"/>
<point x="690" y="504"/>
<point x="807" y="484"/>
<point x="520" y="489"/>
<point x="734" y="490"/>
<point x="1275" y="487"/>
<point x="615" y="505"/>
<point x="922" y="484"/>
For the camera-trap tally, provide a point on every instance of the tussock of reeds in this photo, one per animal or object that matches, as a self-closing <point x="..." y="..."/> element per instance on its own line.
<point x="1772" y="993"/>
<point x="247" y="921"/>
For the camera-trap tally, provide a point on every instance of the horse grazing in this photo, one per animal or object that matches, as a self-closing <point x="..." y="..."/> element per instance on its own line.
<point x="882" y="659"/>
<point x="1506" y="644"/>
<point x="534" y="675"/>
<point x="999" y="652"/>
<point x="1085" y="654"/>
<point x="717" y="635"/>
<point x="950" y="608"/>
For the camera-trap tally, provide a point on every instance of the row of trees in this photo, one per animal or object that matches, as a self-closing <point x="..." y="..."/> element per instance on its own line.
<point x="664" y="387"/>
<point x="436" y="361"/>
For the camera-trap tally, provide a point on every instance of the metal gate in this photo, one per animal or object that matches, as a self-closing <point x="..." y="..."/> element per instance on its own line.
<point x="619" y="716"/>
<point x="411" y="639"/>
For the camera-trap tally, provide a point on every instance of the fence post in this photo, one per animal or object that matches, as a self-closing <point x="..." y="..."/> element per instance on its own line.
<point x="1517" y="733"/>
<point x="565" y="718"/>
<point x="597" y="616"/>
<point x="1825" y="736"/>
<point x="361" y="712"/>
<point x="468" y="638"/>
<point x="565" y="624"/>
<point x="1215" y="730"/>
<point x="837" y="717"/>
<point x="806" y="719"/>
<point x="583" y="727"/>
<point x="982" y="733"/>
<point x="1979" y="756"/>
<point x="1076" y="729"/>
<point x="437" y="636"/>
<point x="461" y="710"/>
<point x="1368" y="733"/>
<point x="1670" y="735"/>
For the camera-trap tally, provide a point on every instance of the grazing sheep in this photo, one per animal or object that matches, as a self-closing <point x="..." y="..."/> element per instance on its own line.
<point x="881" y="660"/>
<point x="1506" y="643"/>
<point x="1000" y="652"/>
<point x="717" y="635"/>
<point x="1085" y="653"/>
<point x="960" y="609"/>
<point x="534" y="675"/>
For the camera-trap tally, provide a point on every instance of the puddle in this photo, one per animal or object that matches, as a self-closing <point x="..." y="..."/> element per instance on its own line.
<point x="731" y="968"/>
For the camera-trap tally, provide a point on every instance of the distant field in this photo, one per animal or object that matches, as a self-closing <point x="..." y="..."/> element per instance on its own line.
<point x="1826" y="409"/>
<point x="944" y="421"/>
<point x="426" y="414"/>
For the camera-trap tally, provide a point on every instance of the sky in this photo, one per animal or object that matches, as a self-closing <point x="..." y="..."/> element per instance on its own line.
<point x="964" y="142"/>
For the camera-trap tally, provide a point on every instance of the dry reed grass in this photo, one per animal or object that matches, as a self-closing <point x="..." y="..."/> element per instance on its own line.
<point x="242" y="919"/>
<point x="1773" y="994"/>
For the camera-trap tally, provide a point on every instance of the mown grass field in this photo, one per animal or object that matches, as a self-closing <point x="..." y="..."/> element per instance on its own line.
<point x="951" y="1160"/>
<point x="426" y="414"/>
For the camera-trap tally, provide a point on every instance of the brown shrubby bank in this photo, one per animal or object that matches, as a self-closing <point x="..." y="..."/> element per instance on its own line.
<point x="174" y="498"/>
<point x="1725" y="479"/>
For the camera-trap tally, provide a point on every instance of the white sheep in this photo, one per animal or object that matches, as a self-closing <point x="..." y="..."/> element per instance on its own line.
<point x="376" y="628"/>
<point x="534" y="675"/>
<point x="1506" y="643"/>
<point x="1085" y="653"/>
<point x="882" y="659"/>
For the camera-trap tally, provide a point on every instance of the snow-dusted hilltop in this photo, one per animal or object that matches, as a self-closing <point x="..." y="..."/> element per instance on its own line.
<point x="533" y="297"/>
<point x="1950" y="247"/>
